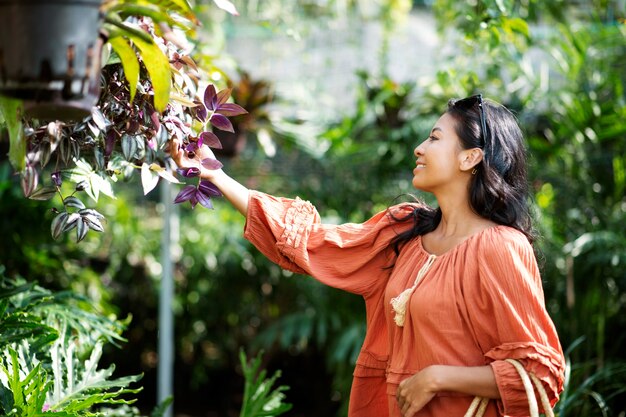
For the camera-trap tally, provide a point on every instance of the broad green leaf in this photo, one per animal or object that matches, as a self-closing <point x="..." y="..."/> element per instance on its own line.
<point x="130" y="63"/>
<point x="158" y="66"/>
<point x="11" y="111"/>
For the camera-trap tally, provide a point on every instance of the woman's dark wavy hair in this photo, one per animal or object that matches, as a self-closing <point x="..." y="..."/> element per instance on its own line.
<point x="499" y="189"/>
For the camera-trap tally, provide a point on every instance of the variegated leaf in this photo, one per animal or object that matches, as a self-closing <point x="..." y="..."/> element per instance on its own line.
<point x="65" y="150"/>
<point x="93" y="222"/>
<point x="90" y="212"/>
<point x="46" y="152"/>
<point x="129" y="147"/>
<point x="81" y="230"/>
<point x="30" y="179"/>
<point x="99" y="158"/>
<point x="72" y="221"/>
<point x="43" y="193"/>
<point x="58" y="223"/>
<point x="72" y="201"/>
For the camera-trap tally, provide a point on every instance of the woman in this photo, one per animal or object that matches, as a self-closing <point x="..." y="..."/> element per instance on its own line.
<point x="450" y="292"/>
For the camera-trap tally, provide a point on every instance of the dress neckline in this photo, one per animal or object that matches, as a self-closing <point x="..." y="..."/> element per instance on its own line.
<point x="459" y="245"/>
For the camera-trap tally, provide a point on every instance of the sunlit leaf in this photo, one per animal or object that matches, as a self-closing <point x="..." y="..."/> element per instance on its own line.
<point x="130" y="63"/>
<point x="149" y="179"/>
<point x="158" y="67"/>
<point x="227" y="6"/>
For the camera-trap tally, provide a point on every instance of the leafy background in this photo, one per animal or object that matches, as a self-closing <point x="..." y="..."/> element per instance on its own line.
<point x="559" y="65"/>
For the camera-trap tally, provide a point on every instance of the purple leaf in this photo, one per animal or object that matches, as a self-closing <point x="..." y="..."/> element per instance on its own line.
<point x="204" y="199"/>
<point x="221" y="122"/>
<point x="154" y="116"/>
<point x="222" y="97"/>
<point x="109" y="143"/>
<point x="208" y="188"/>
<point x="193" y="200"/>
<point x="231" y="109"/>
<point x="189" y="172"/>
<point x="210" y="100"/>
<point x="201" y="112"/>
<point x="210" y="139"/>
<point x="187" y="193"/>
<point x="56" y="178"/>
<point x="210" y="163"/>
<point x="193" y="146"/>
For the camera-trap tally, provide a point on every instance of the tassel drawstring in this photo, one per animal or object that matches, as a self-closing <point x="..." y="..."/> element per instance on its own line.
<point x="399" y="303"/>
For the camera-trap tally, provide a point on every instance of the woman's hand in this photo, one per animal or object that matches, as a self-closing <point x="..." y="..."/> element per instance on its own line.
<point x="194" y="159"/>
<point x="416" y="391"/>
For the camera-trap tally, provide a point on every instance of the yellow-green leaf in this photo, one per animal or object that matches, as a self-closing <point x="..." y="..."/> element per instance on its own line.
<point x="158" y="67"/>
<point x="11" y="110"/>
<point x="130" y="63"/>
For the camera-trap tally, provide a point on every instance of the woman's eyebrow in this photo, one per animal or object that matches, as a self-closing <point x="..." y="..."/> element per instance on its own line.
<point x="436" y="128"/>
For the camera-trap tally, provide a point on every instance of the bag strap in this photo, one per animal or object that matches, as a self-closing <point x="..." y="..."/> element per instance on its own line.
<point x="479" y="404"/>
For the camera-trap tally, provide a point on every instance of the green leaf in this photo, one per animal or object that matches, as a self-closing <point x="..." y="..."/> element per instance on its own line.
<point x="11" y="110"/>
<point x="519" y="25"/>
<point x="130" y="63"/>
<point x="158" y="66"/>
<point x="154" y="12"/>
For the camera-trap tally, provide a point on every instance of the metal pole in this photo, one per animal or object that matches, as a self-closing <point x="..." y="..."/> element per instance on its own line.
<point x="169" y="238"/>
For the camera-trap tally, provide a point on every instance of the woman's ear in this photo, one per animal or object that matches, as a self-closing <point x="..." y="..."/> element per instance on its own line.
<point x="470" y="158"/>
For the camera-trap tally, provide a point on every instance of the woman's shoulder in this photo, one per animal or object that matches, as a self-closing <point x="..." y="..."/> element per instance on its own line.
<point x="499" y="238"/>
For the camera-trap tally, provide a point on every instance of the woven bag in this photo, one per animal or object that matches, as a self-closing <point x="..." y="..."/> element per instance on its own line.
<point x="479" y="404"/>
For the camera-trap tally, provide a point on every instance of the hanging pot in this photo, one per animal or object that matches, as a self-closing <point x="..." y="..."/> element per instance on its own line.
<point x="50" y="56"/>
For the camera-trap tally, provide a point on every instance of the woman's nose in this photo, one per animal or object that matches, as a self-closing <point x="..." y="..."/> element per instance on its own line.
<point x="419" y="149"/>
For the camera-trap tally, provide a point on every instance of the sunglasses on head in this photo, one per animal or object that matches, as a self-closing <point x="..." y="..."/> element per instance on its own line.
<point x="469" y="102"/>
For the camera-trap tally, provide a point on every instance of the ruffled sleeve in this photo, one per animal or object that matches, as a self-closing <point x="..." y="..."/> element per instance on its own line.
<point x="290" y="233"/>
<point x="509" y="319"/>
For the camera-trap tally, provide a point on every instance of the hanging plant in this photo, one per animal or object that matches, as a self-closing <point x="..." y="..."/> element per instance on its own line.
<point x="150" y="93"/>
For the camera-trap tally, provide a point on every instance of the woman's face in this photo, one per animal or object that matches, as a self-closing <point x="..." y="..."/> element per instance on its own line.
<point x="439" y="158"/>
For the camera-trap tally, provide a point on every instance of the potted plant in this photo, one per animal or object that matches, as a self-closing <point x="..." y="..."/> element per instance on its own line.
<point x="50" y="56"/>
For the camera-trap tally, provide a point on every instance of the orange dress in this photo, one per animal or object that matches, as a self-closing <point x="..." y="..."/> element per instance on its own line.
<point x="477" y="304"/>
